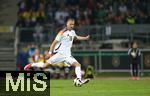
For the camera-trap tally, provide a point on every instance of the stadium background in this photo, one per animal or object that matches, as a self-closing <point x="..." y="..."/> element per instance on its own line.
<point x="112" y="24"/>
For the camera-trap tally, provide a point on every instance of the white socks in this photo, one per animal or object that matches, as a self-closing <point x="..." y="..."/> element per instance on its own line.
<point x="39" y="64"/>
<point x="78" y="72"/>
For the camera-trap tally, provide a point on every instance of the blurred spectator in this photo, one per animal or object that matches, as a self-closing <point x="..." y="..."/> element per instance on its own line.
<point x="110" y="17"/>
<point x="22" y="59"/>
<point x="20" y="22"/>
<point x="141" y="18"/>
<point x="101" y="14"/>
<point x="38" y="35"/>
<point x="60" y="16"/>
<point x="130" y="19"/>
<point x="87" y="12"/>
<point x="120" y="18"/>
<point x="37" y="56"/>
<point x="108" y="31"/>
<point x="41" y="14"/>
<point x="91" y="4"/>
<point x="21" y="5"/>
<point x="33" y="18"/>
<point x="50" y="14"/>
<point x="31" y="50"/>
<point x="123" y="8"/>
<point x="32" y="4"/>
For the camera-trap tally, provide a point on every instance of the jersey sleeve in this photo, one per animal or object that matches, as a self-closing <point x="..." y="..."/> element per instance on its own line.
<point x="129" y="51"/>
<point x="59" y="36"/>
<point x="75" y="34"/>
<point x="139" y="52"/>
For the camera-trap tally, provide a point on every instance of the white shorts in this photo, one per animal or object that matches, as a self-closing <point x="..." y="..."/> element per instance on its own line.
<point x="61" y="58"/>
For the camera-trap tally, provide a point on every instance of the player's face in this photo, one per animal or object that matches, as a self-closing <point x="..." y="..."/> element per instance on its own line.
<point x="70" y="24"/>
<point x="135" y="45"/>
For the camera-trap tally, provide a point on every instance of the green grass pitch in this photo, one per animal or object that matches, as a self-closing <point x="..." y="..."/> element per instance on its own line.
<point x="101" y="88"/>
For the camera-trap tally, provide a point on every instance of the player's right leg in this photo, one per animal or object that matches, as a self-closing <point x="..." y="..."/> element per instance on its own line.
<point x="132" y="71"/>
<point x="135" y="72"/>
<point x="51" y="61"/>
<point x="33" y="66"/>
<point x="28" y="67"/>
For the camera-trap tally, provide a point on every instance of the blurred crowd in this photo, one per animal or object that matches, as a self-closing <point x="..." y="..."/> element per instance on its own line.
<point x="86" y="12"/>
<point x="39" y="20"/>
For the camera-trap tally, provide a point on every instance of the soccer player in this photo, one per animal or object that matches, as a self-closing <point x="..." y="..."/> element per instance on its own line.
<point x="62" y="45"/>
<point x="134" y="54"/>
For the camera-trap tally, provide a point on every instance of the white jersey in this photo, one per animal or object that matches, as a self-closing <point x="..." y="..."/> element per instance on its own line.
<point x="65" y="38"/>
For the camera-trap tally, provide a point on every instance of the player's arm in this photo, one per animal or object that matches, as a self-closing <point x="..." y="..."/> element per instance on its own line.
<point x="129" y="52"/>
<point x="52" y="46"/>
<point x="139" y="52"/>
<point x="83" y="37"/>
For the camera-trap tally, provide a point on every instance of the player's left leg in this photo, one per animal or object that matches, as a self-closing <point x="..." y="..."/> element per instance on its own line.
<point x="77" y="69"/>
<point x="137" y="71"/>
<point x="133" y="71"/>
<point x="77" y="66"/>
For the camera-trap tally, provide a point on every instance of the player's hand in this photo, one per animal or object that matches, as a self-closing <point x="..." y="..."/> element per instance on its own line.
<point x="87" y="37"/>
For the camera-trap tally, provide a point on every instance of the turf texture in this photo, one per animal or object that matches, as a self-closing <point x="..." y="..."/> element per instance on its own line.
<point x="101" y="88"/>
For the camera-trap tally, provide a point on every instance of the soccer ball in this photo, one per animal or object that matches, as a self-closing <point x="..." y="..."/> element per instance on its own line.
<point x="77" y="82"/>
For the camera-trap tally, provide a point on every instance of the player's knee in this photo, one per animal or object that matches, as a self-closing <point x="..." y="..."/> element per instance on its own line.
<point x="76" y="64"/>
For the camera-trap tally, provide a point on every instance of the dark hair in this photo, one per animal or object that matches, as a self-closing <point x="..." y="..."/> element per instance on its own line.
<point x="69" y="18"/>
<point x="131" y="44"/>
